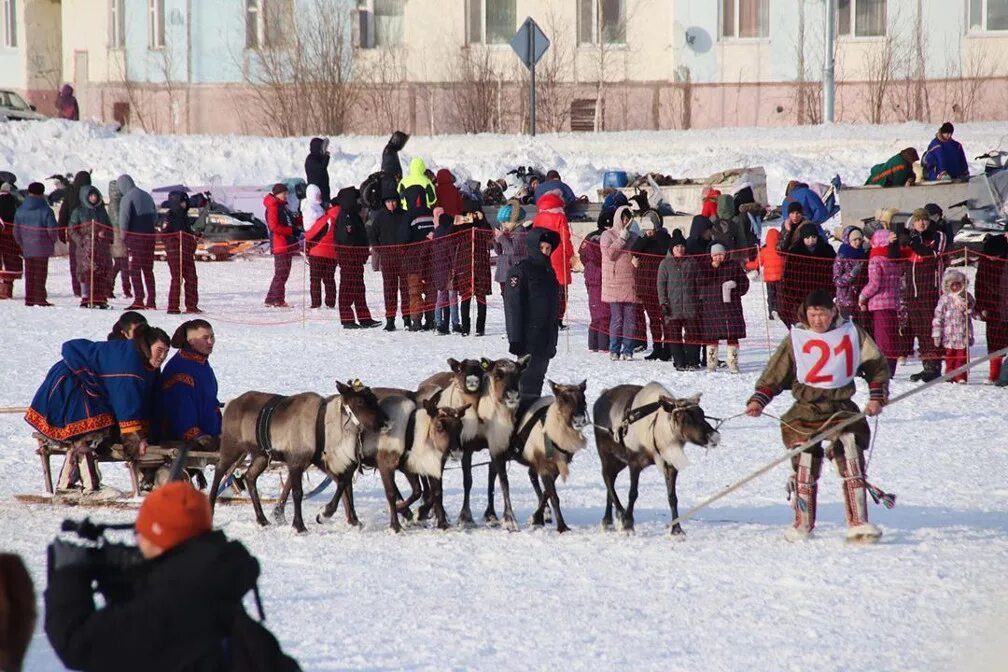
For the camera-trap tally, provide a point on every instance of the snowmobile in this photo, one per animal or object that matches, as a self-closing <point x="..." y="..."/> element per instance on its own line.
<point x="987" y="204"/>
<point x="224" y="233"/>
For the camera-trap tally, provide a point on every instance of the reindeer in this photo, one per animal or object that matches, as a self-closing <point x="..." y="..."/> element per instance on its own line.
<point x="490" y="420"/>
<point x="299" y="430"/>
<point x="639" y="426"/>
<point x="419" y="439"/>
<point x="547" y="435"/>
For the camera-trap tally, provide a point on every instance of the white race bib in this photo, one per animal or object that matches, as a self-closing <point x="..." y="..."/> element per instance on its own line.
<point x="827" y="360"/>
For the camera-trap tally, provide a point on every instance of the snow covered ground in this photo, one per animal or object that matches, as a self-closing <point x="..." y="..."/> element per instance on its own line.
<point x="733" y="596"/>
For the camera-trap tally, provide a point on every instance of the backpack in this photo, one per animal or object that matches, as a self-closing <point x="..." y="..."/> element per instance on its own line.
<point x="504" y="213"/>
<point x="251" y="648"/>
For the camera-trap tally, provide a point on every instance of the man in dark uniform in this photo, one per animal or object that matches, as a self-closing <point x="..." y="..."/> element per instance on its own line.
<point x="532" y="308"/>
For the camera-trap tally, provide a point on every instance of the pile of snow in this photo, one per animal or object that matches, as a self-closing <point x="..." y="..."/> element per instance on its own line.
<point x="732" y="596"/>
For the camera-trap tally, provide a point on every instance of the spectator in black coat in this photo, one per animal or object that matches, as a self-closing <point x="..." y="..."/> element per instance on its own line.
<point x="316" y="167"/>
<point x="179" y="609"/>
<point x="699" y="240"/>
<point x="10" y="252"/>
<point x="389" y="232"/>
<point x="351" y="254"/>
<point x="137" y="216"/>
<point x="390" y="164"/>
<point x="180" y="250"/>
<point x="808" y="266"/>
<point x="650" y="250"/>
<point x="418" y="270"/>
<point x="71" y="200"/>
<point x="532" y="308"/>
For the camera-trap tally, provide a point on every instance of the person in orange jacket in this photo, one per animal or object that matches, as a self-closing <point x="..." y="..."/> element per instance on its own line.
<point x="772" y="264"/>
<point x="320" y="243"/>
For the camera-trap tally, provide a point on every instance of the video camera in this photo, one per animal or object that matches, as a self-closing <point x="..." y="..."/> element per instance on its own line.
<point x="111" y="564"/>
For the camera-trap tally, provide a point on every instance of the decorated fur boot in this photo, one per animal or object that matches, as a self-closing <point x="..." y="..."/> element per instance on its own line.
<point x="712" y="354"/>
<point x="848" y="460"/>
<point x="733" y="359"/>
<point x="803" y="489"/>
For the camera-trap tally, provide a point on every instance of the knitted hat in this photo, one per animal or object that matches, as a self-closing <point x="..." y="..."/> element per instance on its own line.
<point x="794" y="206"/>
<point x="921" y="214"/>
<point x="174" y="513"/>
<point x="934" y="211"/>
<point x="279" y="188"/>
<point x="677" y="238"/>
<point x="36" y="189"/>
<point x="718" y="248"/>
<point x="808" y="231"/>
<point x="947" y="127"/>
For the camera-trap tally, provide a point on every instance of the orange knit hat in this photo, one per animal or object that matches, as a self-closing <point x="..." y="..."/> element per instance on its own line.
<point x="174" y="513"/>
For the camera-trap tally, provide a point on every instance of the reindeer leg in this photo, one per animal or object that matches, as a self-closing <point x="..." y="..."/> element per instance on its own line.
<point x="415" y="493"/>
<point x="465" y="518"/>
<point x="534" y="480"/>
<point x="671" y="474"/>
<point x="499" y="465"/>
<point x="490" y="514"/>
<point x="628" y="520"/>
<point x="537" y="516"/>
<point x="423" y="513"/>
<point x="386" y="467"/>
<point x="295" y="478"/>
<point x="610" y="470"/>
<point x="258" y="465"/>
<point x="330" y="508"/>
<point x="280" y="508"/>
<point x="348" y="501"/>
<point x="229" y="454"/>
<point x="439" y="512"/>
<point x="549" y="480"/>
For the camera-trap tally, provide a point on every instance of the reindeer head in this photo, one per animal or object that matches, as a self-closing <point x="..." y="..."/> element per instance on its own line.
<point x="445" y="425"/>
<point x="571" y="403"/>
<point x="468" y="374"/>
<point x="504" y="376"/>
<point x="363" y="407"/>
<point x="685" y="422"/>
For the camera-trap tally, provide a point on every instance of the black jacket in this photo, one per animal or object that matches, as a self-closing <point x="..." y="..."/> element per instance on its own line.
<point x="696" y="243"/>
<point x="177" y="615"/>
<point x="532" y="299"/>
<point x="390" y="228"/>
<point x="350" y="231"/>
<point x="316" y="168"/>
<point x="390" y="163"/>
<point x="177" y="218"/>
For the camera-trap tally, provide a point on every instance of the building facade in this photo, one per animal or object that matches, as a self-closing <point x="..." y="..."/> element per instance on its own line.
<point x="433" y="66"/>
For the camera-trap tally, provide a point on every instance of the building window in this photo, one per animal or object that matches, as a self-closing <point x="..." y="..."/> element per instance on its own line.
<point x="869" y="18"/>
<point x="268" y="23"/>
<point x="601" y="17"/>
<point x="987" y="15"/>
<point x="745" y="18"/>
<point x="155" y="24"/>
<point x="490" y="21"/>
<point x="10" y="23"/>
<point x="117" y="30"/>
<point x="380" y="23"/>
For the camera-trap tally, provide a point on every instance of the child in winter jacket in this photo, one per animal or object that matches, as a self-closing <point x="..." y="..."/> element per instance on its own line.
<point x="952" y="328"/>
<point x="881" y="295"/>
<point x="590" y="254"/>
<point x="772" y="264"/>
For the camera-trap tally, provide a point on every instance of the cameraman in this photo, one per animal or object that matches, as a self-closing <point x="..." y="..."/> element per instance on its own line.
<point x="180" y="608"/>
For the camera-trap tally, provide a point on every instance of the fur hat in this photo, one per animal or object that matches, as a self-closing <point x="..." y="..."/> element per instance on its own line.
<point x="794" y="206"/>
<point x="718" y="248"/>
<point x="279" y="188"/>
<point x="36" y="189"/>
<point x="947" y="127"/>
<point x="677" y="239"/>
<point x="174" y="513"/>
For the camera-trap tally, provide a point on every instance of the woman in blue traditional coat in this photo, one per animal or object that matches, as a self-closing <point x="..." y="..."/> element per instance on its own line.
<point x="99" y="387"/>
<point x="190" y="410"/>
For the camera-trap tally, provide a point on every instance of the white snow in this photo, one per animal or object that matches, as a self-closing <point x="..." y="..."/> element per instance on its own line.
<point x="734" y="595"/>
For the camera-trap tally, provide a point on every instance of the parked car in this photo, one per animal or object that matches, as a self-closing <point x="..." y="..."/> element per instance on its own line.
<point x="14" y="108"/>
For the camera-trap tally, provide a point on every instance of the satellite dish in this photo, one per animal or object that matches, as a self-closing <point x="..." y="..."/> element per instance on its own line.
<point x="698" y="40"/>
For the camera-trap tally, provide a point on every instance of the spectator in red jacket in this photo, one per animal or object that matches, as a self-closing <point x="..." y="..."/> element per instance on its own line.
<point x="551" y="216"/>
<point x="283" y="243"/>
<point x="448" y="196"/>
<point x="320" y="244"/>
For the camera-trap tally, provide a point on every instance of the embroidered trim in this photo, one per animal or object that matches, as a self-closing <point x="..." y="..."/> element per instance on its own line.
<point x="128" y="426"/>
<point x="70" y="431"/>
<point x="192" y="356"/>
<point x="192" y="433"/>
<point x="183" y="378"/>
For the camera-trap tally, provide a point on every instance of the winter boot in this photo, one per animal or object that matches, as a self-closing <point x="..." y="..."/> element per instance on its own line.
<point x="389" y="324"/>
<point x="692" y="356"/>
<point x="733" y="359"/>
<point x="848" y="461"/>
<point x="678" y="355"/>
<point x="428" y="321"/>
<point x="6" y="289"/>
<point x="803" y="488"/>
<point x="406" y="322"/>
<point x="712" y="358"/>
<point x="930" y="371"/>
<point x="656" y="352"/>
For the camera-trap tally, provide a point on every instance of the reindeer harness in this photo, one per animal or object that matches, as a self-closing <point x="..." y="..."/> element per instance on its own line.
<point x="521" y="436"/>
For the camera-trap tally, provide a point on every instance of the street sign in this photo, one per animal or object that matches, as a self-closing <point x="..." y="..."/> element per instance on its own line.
<point x="530" y="43"/>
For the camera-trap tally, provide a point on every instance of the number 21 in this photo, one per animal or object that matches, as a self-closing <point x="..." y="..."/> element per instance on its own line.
<point x="845" y="347"/>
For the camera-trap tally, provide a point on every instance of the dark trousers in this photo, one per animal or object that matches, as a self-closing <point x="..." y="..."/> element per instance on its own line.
<point x="281" y="271"/>
<point x="120" y="266"/>
<point x="921" y="312"/>
<point x="481" y="311"/>
<point x="393" y="284"/>
<point x="683" y="337"/>
<point x="72" y="255"/>
<point x="182" y="264"/>
<point x="656" y="320"/>
<point x="10" y="253"/>
<point x="532" y="377"/>
<point x="598" y="330"/>
<point x="322" y="273"/>
<point x="141" y="267"/>
<point x="351" y="289"/>
<point x="771" y="296"/>
<point x="36" y="273"/>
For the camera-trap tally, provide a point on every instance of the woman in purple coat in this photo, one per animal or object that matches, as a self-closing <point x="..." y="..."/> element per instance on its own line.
<point x="721" y="285"/>
<point x="881" y="296"/>
<point x="850" y="273"/>
<point x="590" y="254"/>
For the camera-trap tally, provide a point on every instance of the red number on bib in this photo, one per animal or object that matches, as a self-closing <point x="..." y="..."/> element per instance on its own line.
<point x="845" y="348"/>
<point x="813" y="376"/>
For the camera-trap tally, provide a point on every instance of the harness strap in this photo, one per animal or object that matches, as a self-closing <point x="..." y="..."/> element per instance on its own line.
<point x="410" y="430"/>
<point x="320" y="433"/>
<point x="632" y="416"/>
<point x="263" y="421"/>
<point x="520" y="437"/>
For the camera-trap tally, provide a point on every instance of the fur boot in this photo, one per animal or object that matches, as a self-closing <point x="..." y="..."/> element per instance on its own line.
<point x="733" y="359"/>
<point x="848" y="461"/>
<point x="804" y="490"/>
<point x="712" y="355"/>
<point x="6" y="289"/>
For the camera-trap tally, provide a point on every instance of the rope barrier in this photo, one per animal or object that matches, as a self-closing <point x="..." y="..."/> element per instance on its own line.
<point x="829" y="432"/>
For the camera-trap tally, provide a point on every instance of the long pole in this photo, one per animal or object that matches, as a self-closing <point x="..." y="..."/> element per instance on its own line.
<point x="532" y="86"/>
<point x="829" y="83"/>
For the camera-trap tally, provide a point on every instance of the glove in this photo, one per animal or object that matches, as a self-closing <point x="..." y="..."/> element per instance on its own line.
<point x="65" y="555"/>
<point x="625" y="234"/>
<point x="635" y="262"/>
<point x="726" y="288"/>
<point x="516" y="349"/>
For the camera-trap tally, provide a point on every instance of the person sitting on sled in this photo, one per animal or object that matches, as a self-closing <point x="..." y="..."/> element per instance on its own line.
<point x="818" y="362"/>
